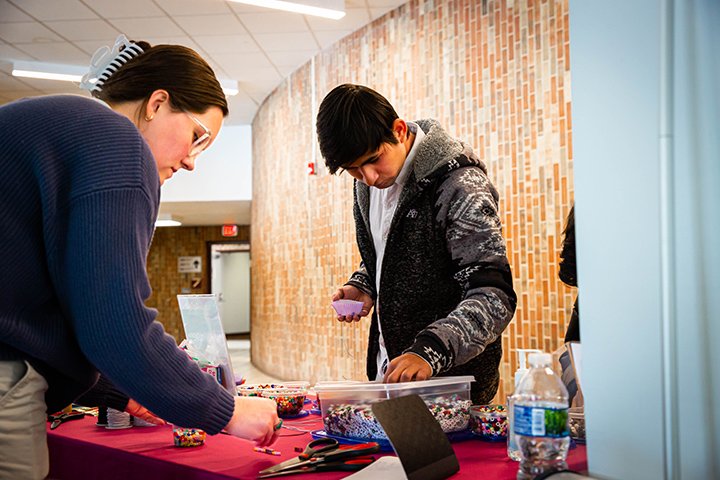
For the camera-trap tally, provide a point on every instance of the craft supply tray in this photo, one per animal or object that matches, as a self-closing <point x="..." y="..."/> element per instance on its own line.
<point x="346" y="406"/>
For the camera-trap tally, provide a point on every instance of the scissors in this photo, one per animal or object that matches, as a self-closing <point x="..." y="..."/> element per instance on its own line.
<point x="324" y="466"/>
<point x="61" y="418"/>
<point x="325" y="454"/>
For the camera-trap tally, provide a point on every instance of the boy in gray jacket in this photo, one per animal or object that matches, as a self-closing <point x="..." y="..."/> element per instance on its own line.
<point x="434" y="263"/>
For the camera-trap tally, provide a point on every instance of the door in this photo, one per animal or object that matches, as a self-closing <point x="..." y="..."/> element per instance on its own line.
<point x="231" y="283"/>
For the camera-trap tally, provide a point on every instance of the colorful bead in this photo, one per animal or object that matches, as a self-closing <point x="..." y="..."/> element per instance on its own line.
<point x="489" y="422"/>
<point x="287" y="404"/>
<point x="358" y="420"/>
<point x="289" y="399"/>
<point x="188" y="437"/>
<point x="577" y="426"/>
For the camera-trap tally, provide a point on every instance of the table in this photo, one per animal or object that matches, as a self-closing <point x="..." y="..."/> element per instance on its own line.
<point x="79" y="450"/>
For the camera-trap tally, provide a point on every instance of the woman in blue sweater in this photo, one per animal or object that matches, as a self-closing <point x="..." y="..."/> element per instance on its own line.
<point x="79" y="196"/>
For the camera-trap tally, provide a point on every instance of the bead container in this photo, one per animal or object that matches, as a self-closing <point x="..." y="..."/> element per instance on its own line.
<point x="289" y="396"/>
<point x="489" y="422"/>
<point x="346" y="407"/>
<point x="188" y="437"/>
<point x="576" y="421"/>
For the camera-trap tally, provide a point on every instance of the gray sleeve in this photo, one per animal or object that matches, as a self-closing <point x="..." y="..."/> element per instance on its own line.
<point x="361" y="279"/>
<point x="468" y="212"/>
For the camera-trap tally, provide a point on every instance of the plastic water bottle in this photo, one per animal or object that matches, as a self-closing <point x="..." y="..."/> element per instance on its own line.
<point x="513" y="450"/>
<point x="540" y="418"/>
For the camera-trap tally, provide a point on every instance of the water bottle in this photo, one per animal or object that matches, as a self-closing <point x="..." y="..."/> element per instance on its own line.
<point x="512" y="448"/>
<point x="540" y="418"/>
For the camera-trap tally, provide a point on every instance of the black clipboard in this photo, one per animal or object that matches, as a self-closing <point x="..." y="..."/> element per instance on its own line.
<point x="422" y="446"/>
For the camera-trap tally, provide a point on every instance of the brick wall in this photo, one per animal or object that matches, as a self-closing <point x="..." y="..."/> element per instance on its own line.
<point x="495" y="74"/>
<point x="169" y="244"/>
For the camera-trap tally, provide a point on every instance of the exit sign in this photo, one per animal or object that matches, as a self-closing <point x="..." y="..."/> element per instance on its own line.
<point x="229" y="230"/>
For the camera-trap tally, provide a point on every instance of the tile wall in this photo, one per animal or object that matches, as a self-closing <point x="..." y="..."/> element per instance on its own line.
<point x="168" y="244"/>
<point x="496" y="74"/>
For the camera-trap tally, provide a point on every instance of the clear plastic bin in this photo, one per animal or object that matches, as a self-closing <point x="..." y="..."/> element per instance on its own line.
<point x="346" y="406"/>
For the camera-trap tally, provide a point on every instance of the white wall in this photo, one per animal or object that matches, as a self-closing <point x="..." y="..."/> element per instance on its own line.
<point x="646" y="156"/>
<point x="222" y="173"/>
<point x="615" y="71"/>
<point x="696" y="260"/>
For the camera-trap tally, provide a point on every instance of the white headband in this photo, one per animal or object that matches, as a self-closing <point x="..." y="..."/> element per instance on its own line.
<point x="105" y="62"/>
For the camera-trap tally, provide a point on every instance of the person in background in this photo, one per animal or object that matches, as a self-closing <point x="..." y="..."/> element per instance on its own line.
<point x="568" y="275"/>
<point x="434" y="264"/>
<point x="79" y="196"/>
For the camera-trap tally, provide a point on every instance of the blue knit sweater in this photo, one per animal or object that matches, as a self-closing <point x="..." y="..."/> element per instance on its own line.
<point x="79" y="195"/>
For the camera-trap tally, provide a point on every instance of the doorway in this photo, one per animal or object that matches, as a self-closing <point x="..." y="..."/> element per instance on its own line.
<point x="230" y="282"/>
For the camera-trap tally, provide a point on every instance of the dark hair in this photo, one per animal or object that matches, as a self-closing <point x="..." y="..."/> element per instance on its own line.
<point x="352" y="121"/>
<point x="188" y="79"/>
<point x="568" y="266"/>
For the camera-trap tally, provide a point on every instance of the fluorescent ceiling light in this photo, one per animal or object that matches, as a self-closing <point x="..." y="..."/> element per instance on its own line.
<point x="48" y="71"/>
<point x="167" y="220"/>
<point x="74" y="73"/>
<point x="333" y="9"/>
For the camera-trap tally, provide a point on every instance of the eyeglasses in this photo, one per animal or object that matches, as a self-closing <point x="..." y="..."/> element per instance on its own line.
<point x="202" y="141"/>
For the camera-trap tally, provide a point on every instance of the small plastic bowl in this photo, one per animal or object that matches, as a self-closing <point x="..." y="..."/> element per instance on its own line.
<point x="489" y="422"/>
<point x="347" y="307"/>
<point x="188" y="437"/>
<point x="290" y="401"/>
<point x="253" y="390"/>
<point x="289" y="396"/>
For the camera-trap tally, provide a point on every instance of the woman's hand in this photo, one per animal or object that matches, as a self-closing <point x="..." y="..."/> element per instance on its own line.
<point x="254" y="419"/>
<point x="138" y="411"/>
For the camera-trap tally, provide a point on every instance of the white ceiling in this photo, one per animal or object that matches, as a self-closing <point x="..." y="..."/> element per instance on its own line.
<point x="208" y="213"/>
<point x="256" y="46"/>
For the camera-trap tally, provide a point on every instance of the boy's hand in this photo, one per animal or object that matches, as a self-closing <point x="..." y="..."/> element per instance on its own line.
<point x="348" y="292"/>
<point x="407" y="367"/>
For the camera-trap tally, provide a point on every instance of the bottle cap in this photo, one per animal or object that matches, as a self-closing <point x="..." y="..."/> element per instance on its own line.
<point x="522" y="368"/>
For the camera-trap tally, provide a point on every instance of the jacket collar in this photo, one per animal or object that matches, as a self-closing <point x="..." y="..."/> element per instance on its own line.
<point x="437" y="155"/>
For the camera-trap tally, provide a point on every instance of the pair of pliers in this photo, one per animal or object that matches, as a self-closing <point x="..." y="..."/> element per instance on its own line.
<point x="61" y="418"/>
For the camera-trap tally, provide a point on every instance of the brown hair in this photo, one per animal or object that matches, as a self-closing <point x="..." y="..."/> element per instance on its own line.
<point x="188" y="79"/>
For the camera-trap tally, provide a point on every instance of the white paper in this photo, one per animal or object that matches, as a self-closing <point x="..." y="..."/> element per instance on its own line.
<point x="385" y="468"/>
<point x="576" y="357"/>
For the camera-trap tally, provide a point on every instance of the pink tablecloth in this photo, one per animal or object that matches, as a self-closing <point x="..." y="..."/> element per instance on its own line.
<point x="80" y="450"/>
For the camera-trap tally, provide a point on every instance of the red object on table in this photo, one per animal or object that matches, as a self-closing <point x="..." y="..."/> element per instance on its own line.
<point x="80" y="450"/>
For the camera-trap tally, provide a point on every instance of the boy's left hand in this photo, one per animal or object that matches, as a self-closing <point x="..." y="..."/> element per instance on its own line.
<point x="407" y="367"/>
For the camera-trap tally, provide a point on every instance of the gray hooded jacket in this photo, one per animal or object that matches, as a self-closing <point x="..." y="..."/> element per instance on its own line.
<point x="446" y="285"/>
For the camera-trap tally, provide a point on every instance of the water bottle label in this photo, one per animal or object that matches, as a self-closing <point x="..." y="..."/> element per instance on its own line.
<point x="541" y="422"/>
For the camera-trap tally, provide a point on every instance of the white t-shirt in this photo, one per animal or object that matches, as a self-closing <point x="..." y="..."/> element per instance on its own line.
<point x="383" y="203"/>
